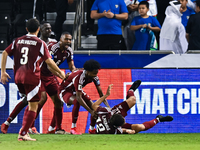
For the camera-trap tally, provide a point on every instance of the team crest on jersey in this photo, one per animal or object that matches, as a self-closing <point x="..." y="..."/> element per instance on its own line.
<point x="98" y="82"/>
<point x="79" y="87"/>
<point x="116" y="6"/>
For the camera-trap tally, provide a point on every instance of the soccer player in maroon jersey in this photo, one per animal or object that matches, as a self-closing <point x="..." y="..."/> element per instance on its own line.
<point x="71" y="92"/>
<point x="112" y="121"/>
<point x="28" y="52"/>
<point x="60" y="51"/>
<point x="49" y="81"/>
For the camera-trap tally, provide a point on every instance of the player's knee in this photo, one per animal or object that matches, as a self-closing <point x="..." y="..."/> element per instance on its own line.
<point x="131" y="101"/>
<point x="138" y="127"/>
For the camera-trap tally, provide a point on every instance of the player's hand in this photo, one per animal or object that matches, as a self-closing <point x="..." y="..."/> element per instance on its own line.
<point x="132" y="7"/>
<point x="144" y="26"/>
<point x="149" y="26"/>
<point x="109" y="14"/>
<point x="62" y="75"/>
<point x="94" y="114"/>
<point x="4" y="77"/>
<point x="129" y="131"/>
<point x="109" y="89"/>
<point x="67" y="75"/>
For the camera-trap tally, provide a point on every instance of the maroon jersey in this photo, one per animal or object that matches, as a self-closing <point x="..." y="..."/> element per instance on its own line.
<point x="58" y="56"/>
<point x="76" y="81"/>
<point x="29" y="52"/>
<point x="102" y="123"/>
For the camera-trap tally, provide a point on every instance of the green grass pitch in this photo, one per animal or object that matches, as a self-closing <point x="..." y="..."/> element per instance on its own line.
<point x="103" y="142"/>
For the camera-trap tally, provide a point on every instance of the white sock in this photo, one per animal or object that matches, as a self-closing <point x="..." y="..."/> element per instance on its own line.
<point x="51" y="128"/>
<point x="73" y="125"/>
<point x="92" y="127"/>
<point x="7" y="123"/>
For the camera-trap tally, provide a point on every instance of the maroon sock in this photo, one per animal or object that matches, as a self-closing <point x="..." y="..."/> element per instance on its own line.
<point x="129" y="93"/>
<point x="127" y="126"/>
<point x="58" y="117"/>
<point x="92" y="121"/>
<point x="53" y="120"/>
<point x="27" y="121"/>
<point x="16" y="111"/>
<point x="75" y="111"/>
<point x="150" y="124"/>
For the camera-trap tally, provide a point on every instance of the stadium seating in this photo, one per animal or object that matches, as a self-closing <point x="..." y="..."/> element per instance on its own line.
<point x="5" y="25"/>
<point x="3" y="44"/>
<point x="7" y="7"/>
<point x="19" y="24"/>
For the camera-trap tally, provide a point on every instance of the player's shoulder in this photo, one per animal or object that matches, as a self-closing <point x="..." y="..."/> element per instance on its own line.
<point x="70" y="50"/>
<point x="53" y="41"/>
<point x="55" y="46"/>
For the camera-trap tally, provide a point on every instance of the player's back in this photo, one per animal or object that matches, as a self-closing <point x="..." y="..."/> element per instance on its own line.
<point x="27" y="51"/>
<point x="103" y="121"/>
<point x="70" y="81"/>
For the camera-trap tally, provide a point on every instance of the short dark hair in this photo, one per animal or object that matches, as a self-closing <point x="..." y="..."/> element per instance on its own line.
<point x="43" y="22"/>
<point x="198" y="3"/>
<point x="65" y="33"/>
<point x="144" y="3"/>
<point x="117" y="120"/>
<point x="91" y="65"/>
<point x="32" y="25"/>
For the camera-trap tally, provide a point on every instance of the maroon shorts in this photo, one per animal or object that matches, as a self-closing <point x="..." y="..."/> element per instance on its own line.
<point x="42" y="88"/>
<point x="67" y="94"/>
<point x="123" y="107"/>
<point x="32" y="92"/>
<point x="50" y="84"/>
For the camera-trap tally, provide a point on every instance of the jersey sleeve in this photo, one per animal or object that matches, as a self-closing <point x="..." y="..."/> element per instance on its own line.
<point x="134" y="22"/>
<point x="44" y="51"/>
<point x="123" y="7"/>
<point x="155" y="22"/>
<point x="77" y="84"/>
<point x="9" y="49"/>
<point x="71" y="56"/>
<point x="95" y="5"/>
<point x="96" y="81"/>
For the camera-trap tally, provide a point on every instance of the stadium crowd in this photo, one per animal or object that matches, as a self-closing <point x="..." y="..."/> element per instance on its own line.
<point x="125" y="25"/>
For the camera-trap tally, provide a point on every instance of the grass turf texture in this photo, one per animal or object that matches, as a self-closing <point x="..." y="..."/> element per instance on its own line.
<point x="103" y="142"/>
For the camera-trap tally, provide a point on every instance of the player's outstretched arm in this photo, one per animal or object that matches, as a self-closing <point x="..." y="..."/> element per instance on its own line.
<point x="128" y="131"/>
<point x="54" y="67"/>
<point x="101" y="94"/>
<point x="96" y="104"/>
<point x="4" y="74"/>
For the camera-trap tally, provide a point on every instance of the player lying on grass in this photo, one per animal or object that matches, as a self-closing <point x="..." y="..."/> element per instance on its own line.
<point x="112" y="121"/>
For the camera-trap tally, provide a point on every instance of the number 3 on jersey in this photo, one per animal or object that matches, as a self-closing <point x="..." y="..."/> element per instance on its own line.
<point x="24" y="58"/>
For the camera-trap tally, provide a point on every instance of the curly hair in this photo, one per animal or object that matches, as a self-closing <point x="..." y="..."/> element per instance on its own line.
<point x="91" y="65"/>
